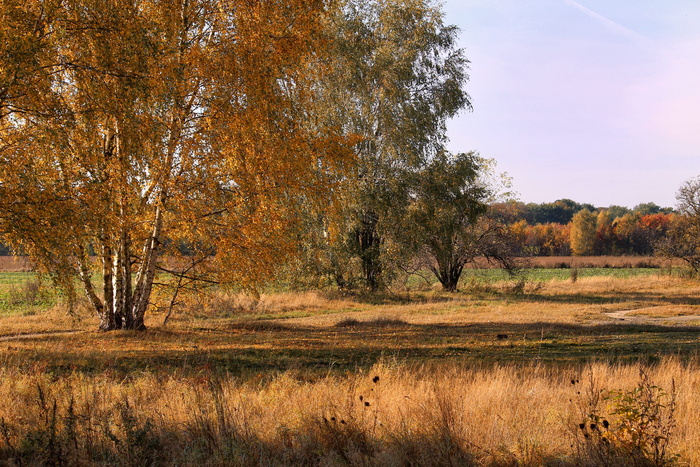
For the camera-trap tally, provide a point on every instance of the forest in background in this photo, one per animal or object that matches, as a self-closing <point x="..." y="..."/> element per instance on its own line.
<point x="565" y="227"/>
<point x="545" y="229"/>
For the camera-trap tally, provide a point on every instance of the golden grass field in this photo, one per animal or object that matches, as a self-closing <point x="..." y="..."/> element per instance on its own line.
<point x="492" y="375"/>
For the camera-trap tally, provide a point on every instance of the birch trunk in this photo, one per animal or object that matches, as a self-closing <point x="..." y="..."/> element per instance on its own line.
<point x="146" y="274"/>
<point x="128" y="322"/>
<point x="118" y="285"/>
<point x="107" y="322"/>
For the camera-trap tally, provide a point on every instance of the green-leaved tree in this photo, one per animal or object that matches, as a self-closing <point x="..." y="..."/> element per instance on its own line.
<point x="448" y="217"/>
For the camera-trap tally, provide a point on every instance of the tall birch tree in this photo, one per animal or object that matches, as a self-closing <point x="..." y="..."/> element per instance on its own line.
<point x="153" y="122"/>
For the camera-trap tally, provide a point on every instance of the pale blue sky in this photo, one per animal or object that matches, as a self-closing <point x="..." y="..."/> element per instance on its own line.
<point x="593" y="100"/>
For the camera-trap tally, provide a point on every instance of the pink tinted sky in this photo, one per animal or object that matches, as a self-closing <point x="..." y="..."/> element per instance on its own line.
<point x="593" y="100"/>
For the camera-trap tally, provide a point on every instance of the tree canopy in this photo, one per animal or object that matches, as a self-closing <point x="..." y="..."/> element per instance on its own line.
<point x="683" y="239"/>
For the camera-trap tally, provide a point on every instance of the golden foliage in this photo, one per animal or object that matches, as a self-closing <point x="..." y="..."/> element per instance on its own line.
<point x="156" y="124"/>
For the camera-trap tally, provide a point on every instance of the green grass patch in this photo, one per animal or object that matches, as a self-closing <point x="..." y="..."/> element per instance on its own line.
<point x="24" y="293"/>
<point x="13" y="278"/>
<point x="541" y="274"/>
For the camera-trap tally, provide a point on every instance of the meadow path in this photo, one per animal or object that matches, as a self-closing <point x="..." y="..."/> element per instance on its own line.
<point x="625" y="315"/>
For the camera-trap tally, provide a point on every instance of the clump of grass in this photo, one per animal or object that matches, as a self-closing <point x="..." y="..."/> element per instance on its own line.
<point x="57" y="429"/>
<point x="223" y="304"/>
<point x="476" y="285"/>
<point x="524" y="285"/>
<point x="28" y="295"/>
<point x="348" y="323"/>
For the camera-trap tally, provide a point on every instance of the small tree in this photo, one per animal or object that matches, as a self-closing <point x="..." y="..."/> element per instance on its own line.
<point x="683" y="238"/>
<point x="448" y="217"/>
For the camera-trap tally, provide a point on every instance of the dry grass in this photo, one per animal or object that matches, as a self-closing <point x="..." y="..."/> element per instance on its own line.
<point x="590" y="262"/>
<point x="391" y="414"/>
<point x="227" y="305"/>
<point x="666" y="311"/>
<point x="559" y="322"/>
<point x="481" y="377"/>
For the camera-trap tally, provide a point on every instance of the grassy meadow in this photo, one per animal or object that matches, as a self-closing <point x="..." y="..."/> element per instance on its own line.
<point x="563" y="366"/>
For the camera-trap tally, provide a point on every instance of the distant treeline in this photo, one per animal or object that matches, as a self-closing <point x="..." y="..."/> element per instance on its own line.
<point x="566" y="227"/>
<point x="562" y="211"/>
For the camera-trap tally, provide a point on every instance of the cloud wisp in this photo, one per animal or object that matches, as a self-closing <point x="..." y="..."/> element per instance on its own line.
<point x="611" y="25"/>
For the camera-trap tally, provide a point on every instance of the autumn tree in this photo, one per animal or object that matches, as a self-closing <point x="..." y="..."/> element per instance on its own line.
<point x="583" y="233"/>
<point x="653" y="229"/>
<point x="628" y="236"/>
<point x="605" y="233"/>
<point x="131" y="126"/>
<point x="396" y="77"/>
<point x="550" y="239"/>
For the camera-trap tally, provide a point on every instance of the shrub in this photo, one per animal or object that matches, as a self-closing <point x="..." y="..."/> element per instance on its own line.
<point x="574" y="275"/>
<point x="634" y="428"/>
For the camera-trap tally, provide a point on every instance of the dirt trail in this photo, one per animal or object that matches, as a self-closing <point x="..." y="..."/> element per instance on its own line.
<point x="624" y="315"/>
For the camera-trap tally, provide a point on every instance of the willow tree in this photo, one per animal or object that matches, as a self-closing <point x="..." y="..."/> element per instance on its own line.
<point x="156" y="122"/>
<point x="396" y="76"/>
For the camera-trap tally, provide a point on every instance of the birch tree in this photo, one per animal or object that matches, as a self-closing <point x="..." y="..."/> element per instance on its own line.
<point x="153" y="122"/>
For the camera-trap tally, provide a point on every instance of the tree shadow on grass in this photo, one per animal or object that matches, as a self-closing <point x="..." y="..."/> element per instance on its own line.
<point x="393" y="298"/>
<point x="250" y="351"/>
